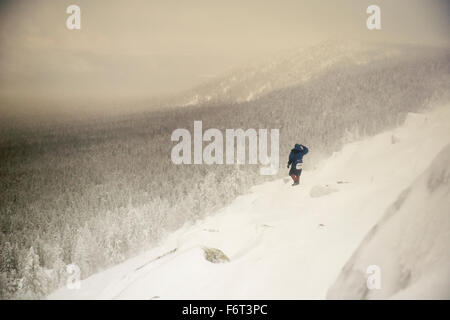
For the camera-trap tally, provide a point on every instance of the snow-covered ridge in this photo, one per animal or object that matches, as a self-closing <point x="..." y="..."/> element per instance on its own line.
<point x="286" y="69"/>
<point x="290" y="242"/>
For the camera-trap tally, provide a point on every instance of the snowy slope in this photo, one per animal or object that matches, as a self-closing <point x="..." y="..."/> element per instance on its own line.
<point x="282" y="241"/>
<point x="410" y="244"/>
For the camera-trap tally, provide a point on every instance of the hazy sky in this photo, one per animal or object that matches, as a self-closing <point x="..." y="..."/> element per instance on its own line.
<point x="146" y="48"/>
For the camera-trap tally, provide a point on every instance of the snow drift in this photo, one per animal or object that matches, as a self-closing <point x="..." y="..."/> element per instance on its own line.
<point x="410" y="244"/>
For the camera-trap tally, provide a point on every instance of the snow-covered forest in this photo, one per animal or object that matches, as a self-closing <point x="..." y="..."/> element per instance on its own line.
<point x="97" y="192"/>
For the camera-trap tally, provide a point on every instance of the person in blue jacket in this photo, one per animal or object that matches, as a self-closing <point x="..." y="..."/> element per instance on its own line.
<point x="296" y="162"/>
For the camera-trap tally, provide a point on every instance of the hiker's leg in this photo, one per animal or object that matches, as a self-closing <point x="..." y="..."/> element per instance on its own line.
<point x="299" y="174"/>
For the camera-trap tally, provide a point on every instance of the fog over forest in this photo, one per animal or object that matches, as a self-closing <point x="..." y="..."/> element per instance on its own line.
<point x="128" y="57"/>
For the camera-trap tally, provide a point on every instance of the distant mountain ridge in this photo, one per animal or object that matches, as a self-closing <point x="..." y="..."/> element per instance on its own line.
<point x="290" y="69"/>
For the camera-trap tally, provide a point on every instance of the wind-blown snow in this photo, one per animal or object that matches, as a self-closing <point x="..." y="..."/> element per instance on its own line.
<point x="283" y="243"/>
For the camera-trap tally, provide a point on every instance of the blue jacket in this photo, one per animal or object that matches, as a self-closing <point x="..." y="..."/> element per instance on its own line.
<point x="297" y="154"/>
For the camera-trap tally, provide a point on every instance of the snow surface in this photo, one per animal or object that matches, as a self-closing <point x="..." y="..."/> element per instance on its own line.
<point x="410" y="245"/>
<point x="285" y="244"/>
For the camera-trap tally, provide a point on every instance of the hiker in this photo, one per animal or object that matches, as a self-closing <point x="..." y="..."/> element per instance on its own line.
<point x="296" y="162"/>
